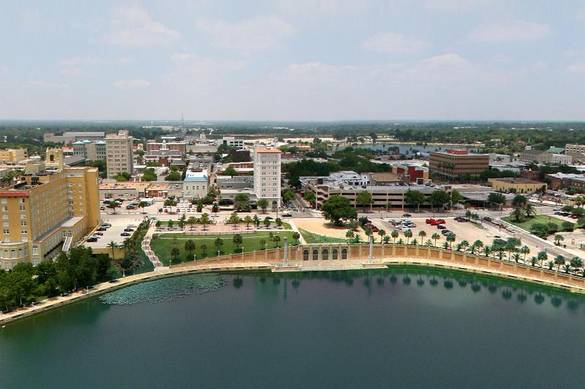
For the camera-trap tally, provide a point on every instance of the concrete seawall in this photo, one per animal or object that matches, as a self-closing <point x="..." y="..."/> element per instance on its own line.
<point x="320" y="257"/>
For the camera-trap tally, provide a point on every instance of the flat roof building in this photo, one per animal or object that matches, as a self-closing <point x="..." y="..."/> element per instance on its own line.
<point x="455" y="164"/>
<point x="267" y="175"/>
<point x="119" y="153"/>
<point x="43" y="215"/>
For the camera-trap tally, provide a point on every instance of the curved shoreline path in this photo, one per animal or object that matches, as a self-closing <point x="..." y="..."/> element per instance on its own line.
<point x="359" y="257"/>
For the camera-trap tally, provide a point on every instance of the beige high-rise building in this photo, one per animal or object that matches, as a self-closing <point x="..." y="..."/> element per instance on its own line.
<point x="267" y="175"/>
<point x="47" y="213"/>
<point x="119" y="153"/>
<point x="13" y="155"/>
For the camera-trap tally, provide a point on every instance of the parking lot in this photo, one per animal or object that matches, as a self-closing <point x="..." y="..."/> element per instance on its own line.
<point x="113" y="234"/>
<point x="468" y="231"/>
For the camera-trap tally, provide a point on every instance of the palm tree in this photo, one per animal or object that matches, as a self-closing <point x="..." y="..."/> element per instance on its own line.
<point x="529" y="210"/>
<point x="518" y="214"/>
<point x="559" y="260"/>
<point x="542" y="257"/>
<point x="435" y="237"/>
<point x="524" y="250"/>
<point x="262" y="204"/>
<point x="382" y="233"/>
<point x="248" y="220"/>
<point x="276" y="239"/>
<point x="487" y="250"/>
<point x="394" y="234"/>
<point x="218" y="244"/>
<point x="191" y="221"/>
<point x="407" y="235"/>
<point x="576" y="263"/>
<point x="349" y="235"/>
<point x="262" y="243"/>
<point x="422" y="235"/>
<point x="477" y="245"/>
<point x="256" y="220"/>
<point x="451" y="238"/>
<point x="113" y="245"/>
<point x="463" y="245"/>
<point x="558" y="239"/>
<point x="190" y="248"/>
<point x="204" y="220"/>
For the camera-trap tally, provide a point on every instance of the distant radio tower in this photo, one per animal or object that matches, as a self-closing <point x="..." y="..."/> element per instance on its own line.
<point x="182" y="122"/>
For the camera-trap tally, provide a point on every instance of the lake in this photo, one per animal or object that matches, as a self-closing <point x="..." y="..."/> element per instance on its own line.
<point x="398" y="328"/>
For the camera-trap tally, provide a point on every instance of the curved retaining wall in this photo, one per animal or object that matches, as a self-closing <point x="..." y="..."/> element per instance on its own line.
<point x="358" y="257"/>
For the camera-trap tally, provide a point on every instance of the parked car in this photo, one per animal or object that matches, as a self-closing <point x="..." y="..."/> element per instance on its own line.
<point x="407" y="215"/>
<point x="445" y="232"/>
<point x="91" y="239"/>
<point x="441" y="227"/>
<point x="125" y="234"/>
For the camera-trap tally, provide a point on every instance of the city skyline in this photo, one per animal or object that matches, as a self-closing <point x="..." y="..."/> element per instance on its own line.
<point x="306" y="60"/>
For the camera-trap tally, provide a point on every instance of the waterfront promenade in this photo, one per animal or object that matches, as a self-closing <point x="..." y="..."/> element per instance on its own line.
<point x="328" y="257"/>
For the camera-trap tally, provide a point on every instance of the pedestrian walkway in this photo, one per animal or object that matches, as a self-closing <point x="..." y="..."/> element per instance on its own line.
<point x="148" y="250"/>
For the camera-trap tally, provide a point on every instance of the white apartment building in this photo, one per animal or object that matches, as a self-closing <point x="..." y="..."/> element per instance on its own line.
<point x="267" y="174"/>
<point x="232" y="142"/>
<point x="119" y="153"/>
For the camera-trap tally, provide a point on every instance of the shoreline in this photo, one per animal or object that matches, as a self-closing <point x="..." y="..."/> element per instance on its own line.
<point x="292" y="267"/>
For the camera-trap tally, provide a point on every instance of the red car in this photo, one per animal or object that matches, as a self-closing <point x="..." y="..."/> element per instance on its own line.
<point x="430" y="221"/>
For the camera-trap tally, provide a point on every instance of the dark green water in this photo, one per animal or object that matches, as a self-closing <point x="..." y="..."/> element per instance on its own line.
<point x="393" y="329"/>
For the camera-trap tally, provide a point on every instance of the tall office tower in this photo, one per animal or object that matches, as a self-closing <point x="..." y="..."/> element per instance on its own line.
<point x="267" y="175"/>
<point x="119" y="153"/>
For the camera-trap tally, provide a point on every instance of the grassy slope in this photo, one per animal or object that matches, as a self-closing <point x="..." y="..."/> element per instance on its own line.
<point x="528" y="223"/>
<point x="316" y="238"/>
<point x="162" y="244"/>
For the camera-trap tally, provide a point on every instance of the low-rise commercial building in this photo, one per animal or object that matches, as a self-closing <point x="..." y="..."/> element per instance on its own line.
<point x="73" y="136"/>
<point x="571" y="181"/>
<point x="195" y="185"/>
<point x="164" y="145"/>
<point x="235" y="182"/>
<point x="517" y="185"/>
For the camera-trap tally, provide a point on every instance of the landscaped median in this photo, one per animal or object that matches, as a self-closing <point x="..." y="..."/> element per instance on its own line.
<point x="174" y="247"/>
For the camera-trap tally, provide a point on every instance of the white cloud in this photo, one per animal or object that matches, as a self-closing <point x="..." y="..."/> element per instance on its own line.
<point x="455" y="5"/>
<point x="133" y="26"/>
<point x="320" y="7"/>
<point x="72" y="66"/>
<point x="249" y="35"/>
<point x="510" y="32"/>
<point x="42" y="84"/>
<point x="577" y="67"/>
<point x="131" y="84"/>
<point x="390" y="42"/>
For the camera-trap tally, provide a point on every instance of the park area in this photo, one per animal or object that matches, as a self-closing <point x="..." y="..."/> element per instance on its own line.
<point x="541" y="225"/>
<point x="172" y="247"/>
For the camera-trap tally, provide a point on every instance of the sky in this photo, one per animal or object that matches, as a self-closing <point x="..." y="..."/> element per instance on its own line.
<point x="299" y="60"/>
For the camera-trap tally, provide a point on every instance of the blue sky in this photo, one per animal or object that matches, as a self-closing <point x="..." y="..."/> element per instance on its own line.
<point x="293" y="59"/>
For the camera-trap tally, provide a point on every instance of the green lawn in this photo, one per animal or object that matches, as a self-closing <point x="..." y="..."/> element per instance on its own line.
<point x="528" y="223"/>
<point x="163" y="243"/>
<point x="316" y="238"/>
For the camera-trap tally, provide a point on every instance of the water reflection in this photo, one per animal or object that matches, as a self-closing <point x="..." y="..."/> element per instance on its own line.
<point x="371" y="280"/>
